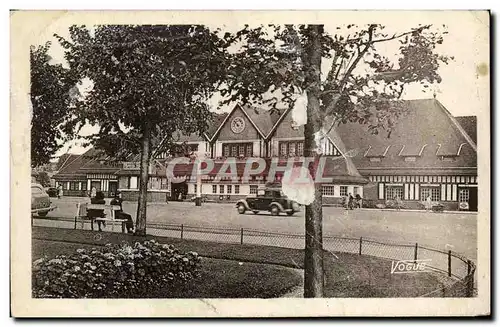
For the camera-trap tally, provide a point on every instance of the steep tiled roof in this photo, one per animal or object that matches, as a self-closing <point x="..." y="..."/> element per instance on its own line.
<point x="68" y="163"/>
<point x="285" y="127"/>
<point x="343" y="165"/>
<point x="425" y="127"/>
<point x="92" y="161"/>
<point x="70" y="166"/>
<point x="469" y="124"/>
<point x="261" y="118"/>
<point x="216" y="121"/>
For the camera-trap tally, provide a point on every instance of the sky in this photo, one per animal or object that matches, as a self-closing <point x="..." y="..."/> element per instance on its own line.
<point x="463" y="91"/>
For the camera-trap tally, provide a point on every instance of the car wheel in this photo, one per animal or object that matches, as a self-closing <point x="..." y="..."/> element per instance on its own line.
<point x="255" y="211"/>
<point x="275" y="210"/>
<point x="290" y="213"/>
<point x="42" y="213"/>
<point x="241" y="209"/>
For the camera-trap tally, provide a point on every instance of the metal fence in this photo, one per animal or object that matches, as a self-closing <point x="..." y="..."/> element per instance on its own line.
<point x="459" y="269"/>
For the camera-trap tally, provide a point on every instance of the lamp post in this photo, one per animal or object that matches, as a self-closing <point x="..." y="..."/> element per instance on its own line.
<point x="197" y="200"/>
<point x="199" y="155"/>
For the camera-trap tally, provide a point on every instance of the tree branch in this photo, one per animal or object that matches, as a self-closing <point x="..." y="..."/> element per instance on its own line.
<point x="397" y="36"/>
<point x="358" y="58"/>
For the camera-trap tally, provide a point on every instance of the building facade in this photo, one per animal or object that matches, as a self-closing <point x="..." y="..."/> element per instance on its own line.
<point x="427" y="153"/>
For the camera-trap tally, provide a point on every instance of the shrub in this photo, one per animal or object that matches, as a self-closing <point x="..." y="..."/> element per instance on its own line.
<point x="392" y="204"/>
<point x="117" y="271"/>
<point x="369" y="203"/>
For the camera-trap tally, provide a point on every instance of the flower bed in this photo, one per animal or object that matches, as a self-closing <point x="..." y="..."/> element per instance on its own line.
<point x="117" y="271"/>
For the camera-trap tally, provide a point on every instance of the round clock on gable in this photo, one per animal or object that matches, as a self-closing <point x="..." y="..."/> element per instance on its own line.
<point x="237" y="125"/>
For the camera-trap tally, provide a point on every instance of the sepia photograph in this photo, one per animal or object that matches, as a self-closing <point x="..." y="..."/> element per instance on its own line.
<point x="273" y="157"/>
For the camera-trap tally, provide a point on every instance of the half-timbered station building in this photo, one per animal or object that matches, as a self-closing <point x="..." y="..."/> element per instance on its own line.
<point x="248" y="132"/>
<point x="78" y="174"/>
<point x="429" y="152"/>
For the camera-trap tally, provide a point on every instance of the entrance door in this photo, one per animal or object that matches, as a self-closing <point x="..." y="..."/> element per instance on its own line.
<point x="472" y="198"/>
<point x="179" y="191"/>
<point x="96" y="184"/>
<point x="113" y="187"/>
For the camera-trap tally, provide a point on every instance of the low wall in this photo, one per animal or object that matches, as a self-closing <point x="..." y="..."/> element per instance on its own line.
<point x="412" y="204"/>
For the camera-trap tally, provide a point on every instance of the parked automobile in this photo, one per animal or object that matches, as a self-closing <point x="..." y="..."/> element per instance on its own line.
<point x="269" y="199"/>
<point x="40" y="201"/>
<point x="51" y="191"/>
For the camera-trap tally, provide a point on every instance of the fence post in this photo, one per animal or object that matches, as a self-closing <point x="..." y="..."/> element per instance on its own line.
<point x="182" y="231"/>
<point x="241" y="239"/>
<point x="449" y="263"/>
<point x="470" y="280"/>
<point x="415" y="256"/>
<point x="360" y="244"/>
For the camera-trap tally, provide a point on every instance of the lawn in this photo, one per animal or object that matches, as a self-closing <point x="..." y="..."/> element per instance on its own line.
<point x="346" y="275"/>
<point x="219" y="278"/>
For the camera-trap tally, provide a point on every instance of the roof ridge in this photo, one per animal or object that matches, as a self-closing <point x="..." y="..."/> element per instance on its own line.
<point x="278" y="122"/>
<point x="457" y="125"/>
<point x="251" y="120"/>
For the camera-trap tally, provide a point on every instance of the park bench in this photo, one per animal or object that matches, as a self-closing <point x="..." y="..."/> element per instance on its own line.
<point x="81" y="215"/>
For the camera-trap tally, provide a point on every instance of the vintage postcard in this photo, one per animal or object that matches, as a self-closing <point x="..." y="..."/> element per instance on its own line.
<point x="250" y="163"/>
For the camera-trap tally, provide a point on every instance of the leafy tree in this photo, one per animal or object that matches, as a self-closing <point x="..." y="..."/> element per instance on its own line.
<point x="43" y="178"/>
<point x="147" y="83"/>
<point x="277" y="64"/>
<point x="52" y="90"/>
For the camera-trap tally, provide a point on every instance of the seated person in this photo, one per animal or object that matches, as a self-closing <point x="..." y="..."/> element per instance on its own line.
<point x="97" y="213"/>
<point x="119" y="214"/>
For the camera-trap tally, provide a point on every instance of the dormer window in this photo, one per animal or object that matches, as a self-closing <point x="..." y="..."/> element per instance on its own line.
<point x="376" y="154"/>
<point x="412" y="152"/>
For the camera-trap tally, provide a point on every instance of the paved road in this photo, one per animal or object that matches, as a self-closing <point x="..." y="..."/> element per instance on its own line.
<point x="454" y="231"/>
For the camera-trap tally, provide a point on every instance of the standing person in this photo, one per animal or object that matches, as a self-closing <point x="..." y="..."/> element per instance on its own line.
<point x="345" y="200"/>
<point x="119" y="214"/>
<point x="358" y="200"/>
<point x="350" y="203"/>
<point x="60" y="191"/>
<point x="97" y="213"/>
<point x="93" y="192"/>
<point x="428" y="203"/>
<point x="398" y="202"/>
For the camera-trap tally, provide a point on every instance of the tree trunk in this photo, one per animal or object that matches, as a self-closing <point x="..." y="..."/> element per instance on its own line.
<point x="143" y="181"/>
<point x="313" y="260"/>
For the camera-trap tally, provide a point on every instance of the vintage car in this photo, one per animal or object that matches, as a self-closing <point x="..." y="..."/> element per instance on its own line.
<point x="40" y="201"/>
<point x="51" y="191"/>
<point x="268" y="199"/>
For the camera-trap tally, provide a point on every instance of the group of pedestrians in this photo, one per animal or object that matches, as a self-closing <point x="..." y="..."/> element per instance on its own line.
<point x="97" y="197"/>
<point x="350" y="202"/>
